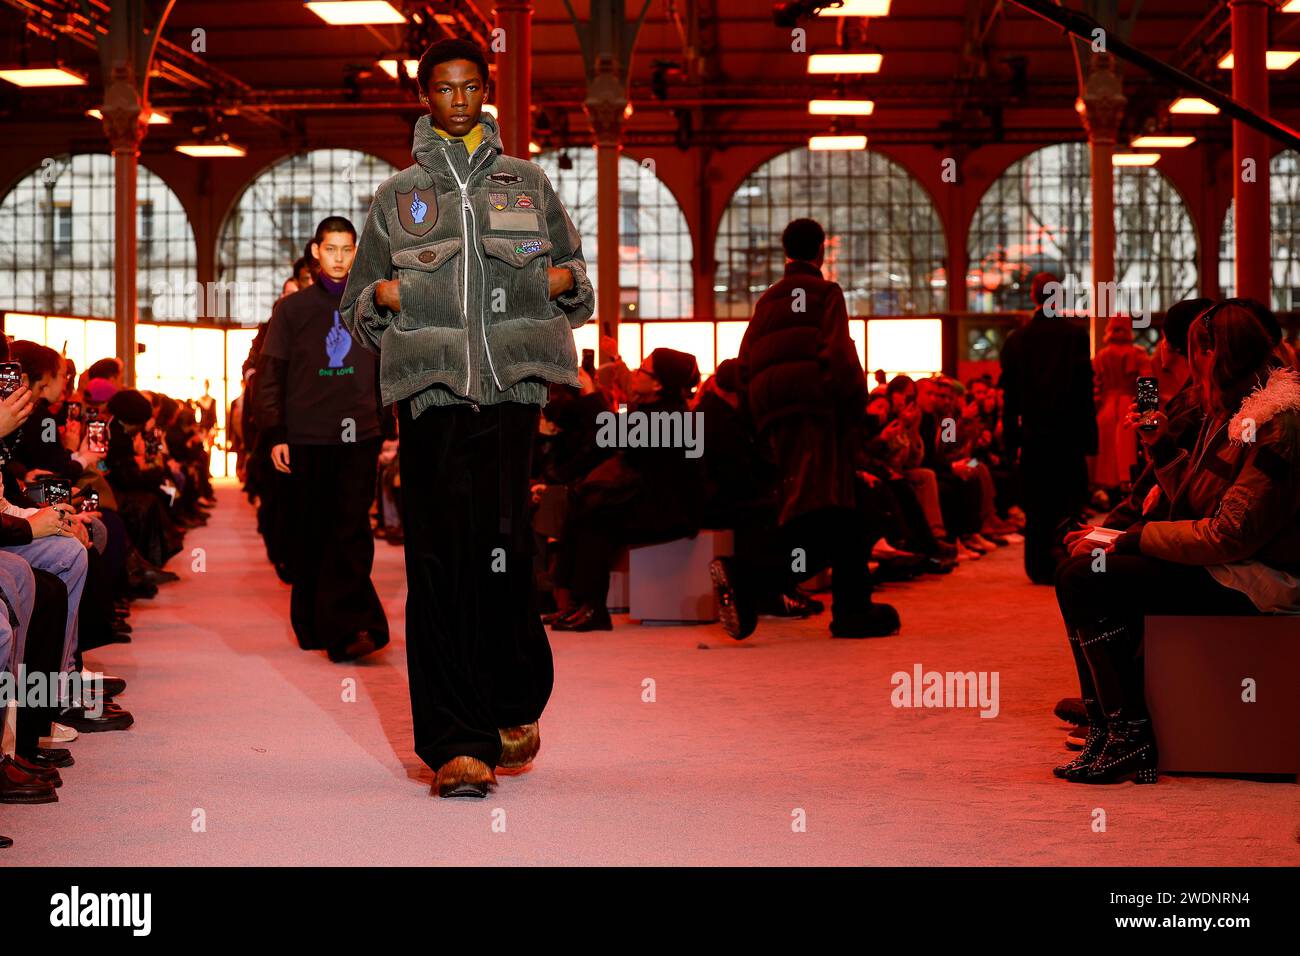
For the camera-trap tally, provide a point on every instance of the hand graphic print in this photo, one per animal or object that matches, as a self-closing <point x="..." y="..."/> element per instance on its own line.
<point x="418" y="209"/>
<point x="338" y="343"/>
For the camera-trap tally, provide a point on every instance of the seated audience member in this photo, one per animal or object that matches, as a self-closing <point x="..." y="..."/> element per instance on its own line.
<point x="638" y="496"/>
<point x="1221" y="538"/>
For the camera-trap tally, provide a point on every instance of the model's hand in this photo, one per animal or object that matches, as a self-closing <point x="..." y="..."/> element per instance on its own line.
<point x="280" y="458"/>
<point x="389" y="294"/>
<point x="561" y="280"/>
<point x="46" y="522"/>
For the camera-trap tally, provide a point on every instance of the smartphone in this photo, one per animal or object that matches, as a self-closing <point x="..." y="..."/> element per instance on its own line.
<point x="55" y="491"/>
<point x="91" y="413"/>
<point x="90" y="501"/>
<point x="74" y="411"/>
<point x="589" y="361"/>
<point x="1148" y="401"/>
<point x="11" y="378"/>
<point x="97" y="436"/>
<point x="152" y="442"/>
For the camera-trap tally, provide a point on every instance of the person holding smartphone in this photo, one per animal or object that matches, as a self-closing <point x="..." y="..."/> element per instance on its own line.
<point x="468" y="282"/>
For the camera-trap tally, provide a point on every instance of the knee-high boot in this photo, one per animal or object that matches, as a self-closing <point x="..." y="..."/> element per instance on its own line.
<point x="1130" y="746"/>
<point x="1096" y="716"/>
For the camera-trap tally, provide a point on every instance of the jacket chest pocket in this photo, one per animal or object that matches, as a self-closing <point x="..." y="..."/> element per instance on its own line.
<point x="430" y="283"/>
<point x="517" y="283"/>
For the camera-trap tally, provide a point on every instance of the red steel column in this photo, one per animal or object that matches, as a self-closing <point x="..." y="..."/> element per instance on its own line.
<point x="513" y="93"/>
<point x="1250" y="88"/>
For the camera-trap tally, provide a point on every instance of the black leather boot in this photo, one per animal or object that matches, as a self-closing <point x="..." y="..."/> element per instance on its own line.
<point x="1130" y="746"/>
<point x="1096" y="716"/>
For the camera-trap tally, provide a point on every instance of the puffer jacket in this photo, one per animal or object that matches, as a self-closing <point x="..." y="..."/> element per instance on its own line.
<point x="1236" y="497"/>
<point x="469" y="239"/>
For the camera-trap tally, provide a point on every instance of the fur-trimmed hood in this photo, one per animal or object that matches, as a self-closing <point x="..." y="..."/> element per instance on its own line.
<point x="1279" y="394"/>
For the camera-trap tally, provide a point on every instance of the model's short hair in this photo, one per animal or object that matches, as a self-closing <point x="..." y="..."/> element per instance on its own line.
<point x="333" y="224"/>
<point x="803" y="239"/>
<point x="453" y="48"/>
<point x="1038" y="288"/>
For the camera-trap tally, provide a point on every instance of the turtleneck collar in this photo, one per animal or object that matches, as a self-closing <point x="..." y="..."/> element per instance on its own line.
<point x="426" y="140"/>
<point x="334" y="287"/>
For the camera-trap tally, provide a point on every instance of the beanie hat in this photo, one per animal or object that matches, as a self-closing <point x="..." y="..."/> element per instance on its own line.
<point x="99" y="390"/>
<point x="130" y="407"/>
<point x="676" y="371"/>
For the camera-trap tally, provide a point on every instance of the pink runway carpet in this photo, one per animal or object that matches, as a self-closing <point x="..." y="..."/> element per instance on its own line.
<point x="240" y="731"/>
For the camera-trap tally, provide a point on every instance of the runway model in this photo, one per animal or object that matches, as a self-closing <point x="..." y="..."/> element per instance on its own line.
<point x="468" y="281"/>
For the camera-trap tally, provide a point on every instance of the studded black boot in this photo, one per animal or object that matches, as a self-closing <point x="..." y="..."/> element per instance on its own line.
<point x="1096" y="716"/>
<point x="1129" y="751"/>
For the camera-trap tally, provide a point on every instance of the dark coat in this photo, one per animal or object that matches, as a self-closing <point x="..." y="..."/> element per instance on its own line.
<point x="1047" y="388"/>
<point x="805" y="389"/>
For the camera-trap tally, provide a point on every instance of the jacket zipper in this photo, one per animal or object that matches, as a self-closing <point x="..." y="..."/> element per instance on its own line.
<point x="464" y="222"/>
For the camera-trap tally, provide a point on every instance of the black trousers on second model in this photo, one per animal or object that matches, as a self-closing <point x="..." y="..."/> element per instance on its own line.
<point x="477" y="654"/>
<point x="329" y="545"/>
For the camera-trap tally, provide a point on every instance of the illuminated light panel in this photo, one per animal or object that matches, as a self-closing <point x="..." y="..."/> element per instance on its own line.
<point x="390" y="67"/>
<point x="730" y="333"/>
<point x="1273" y="59"/>
<point x="343" y="13"/>
<point x="43" y="76"/>
<point x="904" y="345"/>
<point x="490" y="110"/>
<point x="860" y="8"/>
<point x="154" y="116"/>
<point x="694" y="338"/>
<point x="534" y="148"/>
<point x="1193" y="104"/>
<point x="1135" y="159"/>
<point x="1163" y="142"/>
<point x="629" y="344"/>
<point x="209" y="150"/>
<point x="1291" y="6"/>
<point x="845" y="62"/>
<point x="841" y="107"/>
<point x="837" y="142"/>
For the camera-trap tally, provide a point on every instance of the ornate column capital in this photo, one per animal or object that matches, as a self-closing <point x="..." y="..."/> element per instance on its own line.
<point x="605" y="104"/>
<point x="126" y="114"/>
<point x="1101" y="108"/>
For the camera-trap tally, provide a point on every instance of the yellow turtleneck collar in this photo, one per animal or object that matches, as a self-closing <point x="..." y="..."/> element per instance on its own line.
<point x="470" y="139"/>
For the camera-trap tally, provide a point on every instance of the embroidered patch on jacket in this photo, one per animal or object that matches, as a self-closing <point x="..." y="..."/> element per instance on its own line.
<point x="528" y="247"/>
<point x="417" y="211"/>
<point x="505" y="179"/>
<point x="523" y="201"/>
<point x="497" y="200"/>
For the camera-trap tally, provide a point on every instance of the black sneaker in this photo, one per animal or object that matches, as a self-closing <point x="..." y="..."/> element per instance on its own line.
<point x="112" y="717"/>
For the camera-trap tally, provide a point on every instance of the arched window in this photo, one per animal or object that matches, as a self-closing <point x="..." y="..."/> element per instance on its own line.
<point x="655" y="249"/>
<point x="56" y="239"/>
<point x="1284" y="205"/>
<point x="1037" y="217"/>
<point x="884" y="242"/>
<point x="277" y="214"/>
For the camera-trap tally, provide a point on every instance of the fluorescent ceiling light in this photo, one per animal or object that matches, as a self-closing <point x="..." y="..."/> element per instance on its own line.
<point x="154" y="116"/>
<point x="862" y="8"/>
<point x="837" y="142"/>
<point x="43" y="76"/>
<point x="1194" y="104"/>
<point x="841" y="107"/>
<point x="844" y="62"/>
<point x="1273" y="59"/>
<point x="1134" y="159"/>
<point x="1163" y="142"/>
<point x="211" y="150"/>
<point x="390" y="67"/>
<point x="342" y="13"/>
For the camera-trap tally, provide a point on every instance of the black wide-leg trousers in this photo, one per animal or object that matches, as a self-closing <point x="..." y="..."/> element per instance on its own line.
<point x="329" y="545"/>
<point x="477" y="653"/>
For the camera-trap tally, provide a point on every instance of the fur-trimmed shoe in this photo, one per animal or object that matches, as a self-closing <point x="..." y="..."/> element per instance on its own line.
<point x="464" y="777"/>
<point x="519" y="746"/>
